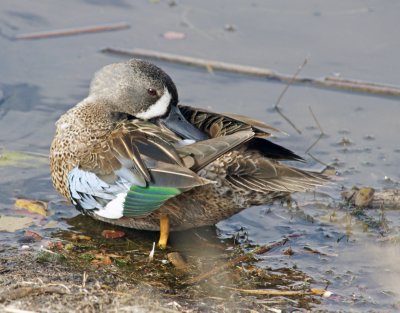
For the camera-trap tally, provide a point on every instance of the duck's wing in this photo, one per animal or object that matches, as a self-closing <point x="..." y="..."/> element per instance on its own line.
<point x="264" y="175"/>
<point x="222" y="124"/>
<point x="138" y="167"/>
<point x="202" y="153"/>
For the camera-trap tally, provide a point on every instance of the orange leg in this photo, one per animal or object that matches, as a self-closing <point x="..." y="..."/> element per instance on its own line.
<point x="164" y="231"/>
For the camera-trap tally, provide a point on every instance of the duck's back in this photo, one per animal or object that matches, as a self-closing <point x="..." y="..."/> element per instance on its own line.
<point x="246" y="175"/>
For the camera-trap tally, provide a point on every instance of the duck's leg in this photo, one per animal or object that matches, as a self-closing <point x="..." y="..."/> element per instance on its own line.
<point x="164" y="231"/>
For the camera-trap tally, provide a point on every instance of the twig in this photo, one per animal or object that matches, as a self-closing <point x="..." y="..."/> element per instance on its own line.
<point x="84" y="279"/>
<point x="358" y="86"/>
<point x="197" y="62"/>
<point x="189" y="24"/>
<point x="276" y="107"/>
<point x="319" y="161"/>
<point x="273" y="292"/>
<point x="327" y="82"/>
<point x="144" y="308"/>
<point x="322" y="134"/>
<point x="242" y="258"/>
<point x="320" y="129"/>
<point x="28" y="291"/>
<point x="315" y="251"/>
<point x="73" y="31"/>
<point x="290" y="82"/>
<point x="8" y="309"/>
<point x="151" y="254"/>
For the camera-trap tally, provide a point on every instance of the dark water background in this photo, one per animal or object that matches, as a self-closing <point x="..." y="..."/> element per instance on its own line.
<point x="41" y="79"/>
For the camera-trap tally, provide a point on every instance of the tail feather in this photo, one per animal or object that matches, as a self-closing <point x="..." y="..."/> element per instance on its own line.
<point x="264" y="175"/>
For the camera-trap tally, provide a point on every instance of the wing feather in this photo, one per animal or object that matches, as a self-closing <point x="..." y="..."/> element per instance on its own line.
<point x="136" y="154"/>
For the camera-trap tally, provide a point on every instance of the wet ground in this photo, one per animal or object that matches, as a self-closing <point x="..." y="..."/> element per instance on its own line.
<point x="354" y="39"/>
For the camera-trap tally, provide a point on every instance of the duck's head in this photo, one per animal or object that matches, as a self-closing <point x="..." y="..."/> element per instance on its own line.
<point x="145" y="91"/>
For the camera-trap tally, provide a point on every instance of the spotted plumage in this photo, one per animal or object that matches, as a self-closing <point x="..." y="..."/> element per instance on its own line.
<point x="129" y="155"/>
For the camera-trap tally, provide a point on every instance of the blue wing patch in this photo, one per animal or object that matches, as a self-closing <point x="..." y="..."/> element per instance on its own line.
<point x="91" y="192"/>
<point x="122" y="198"/>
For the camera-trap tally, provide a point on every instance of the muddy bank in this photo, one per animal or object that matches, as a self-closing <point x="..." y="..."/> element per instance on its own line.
<point x="98" y="275"/>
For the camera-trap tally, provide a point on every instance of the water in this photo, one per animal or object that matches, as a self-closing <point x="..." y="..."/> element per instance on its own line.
<point x="41" y="79"/>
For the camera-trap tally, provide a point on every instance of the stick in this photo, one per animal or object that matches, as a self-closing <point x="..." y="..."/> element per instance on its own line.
<point x="327" y="82"/>
<point x="14" y="310"/>
<point x="321" y="134"/>
<point x="315" y="251"/>
<point x="73" y="31"/>
<point x="242" y="258"/>
<point x="273" y="292"/>
<point x="320" y="129"/>
<point x="290" y="82"/>
<point x="368" y="197"/>
<point x="28" y="291"/>
<point x="389" y="199"/>
<point x="284" y="91"/>
<point x="203" y="63"/>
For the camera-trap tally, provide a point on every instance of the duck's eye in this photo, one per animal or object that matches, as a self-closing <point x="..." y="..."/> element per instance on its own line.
<point x="152" y="92"/>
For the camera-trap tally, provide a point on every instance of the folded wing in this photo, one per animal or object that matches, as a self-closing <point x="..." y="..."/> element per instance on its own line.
<point x="139" y="166"/>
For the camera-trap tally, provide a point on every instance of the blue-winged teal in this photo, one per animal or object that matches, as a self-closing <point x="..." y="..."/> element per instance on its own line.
<point x="129" y="155"/>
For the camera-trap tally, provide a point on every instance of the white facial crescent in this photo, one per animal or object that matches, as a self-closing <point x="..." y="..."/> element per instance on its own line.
<point x="157" y="109"/>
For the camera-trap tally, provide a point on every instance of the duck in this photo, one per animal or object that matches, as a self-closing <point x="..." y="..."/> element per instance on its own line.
<point x="131" y="155"/>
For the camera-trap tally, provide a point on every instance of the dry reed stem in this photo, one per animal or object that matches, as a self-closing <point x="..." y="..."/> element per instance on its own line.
<point x="73" y="31"/>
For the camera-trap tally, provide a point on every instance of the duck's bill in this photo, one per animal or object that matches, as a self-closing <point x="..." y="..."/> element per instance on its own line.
<point x="176" y="122"/>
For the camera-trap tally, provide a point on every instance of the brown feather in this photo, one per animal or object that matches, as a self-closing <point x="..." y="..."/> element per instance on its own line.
<point x="206" y="151"/>
<point x="222" y="124"/>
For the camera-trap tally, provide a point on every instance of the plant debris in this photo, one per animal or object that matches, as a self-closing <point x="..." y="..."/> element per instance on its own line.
<point x="363" y="197"/>
<point x="21" y="159"/>
<point x="33" y="206"/>
<point x="112" y="234"/>
<point x="73" y="31"/>
<point x="171" y="35"/>
<point x="33" y="235"/>
<point x="14" y="223"/>
<point x="177" y="260"/>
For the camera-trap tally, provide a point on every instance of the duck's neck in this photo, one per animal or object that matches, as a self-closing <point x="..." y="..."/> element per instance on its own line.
<point x="90" y="118"/>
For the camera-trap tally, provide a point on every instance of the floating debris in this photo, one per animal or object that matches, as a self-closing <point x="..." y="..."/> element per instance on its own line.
<point x="73" y="31"/>
<point x="171" y="35"/>
<point x="14" y="223"/>
<point x="33" y="206"/>
<point x="21" y="159"/>
<point x="364" y="197"/>
<point x="77" y="237"/>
